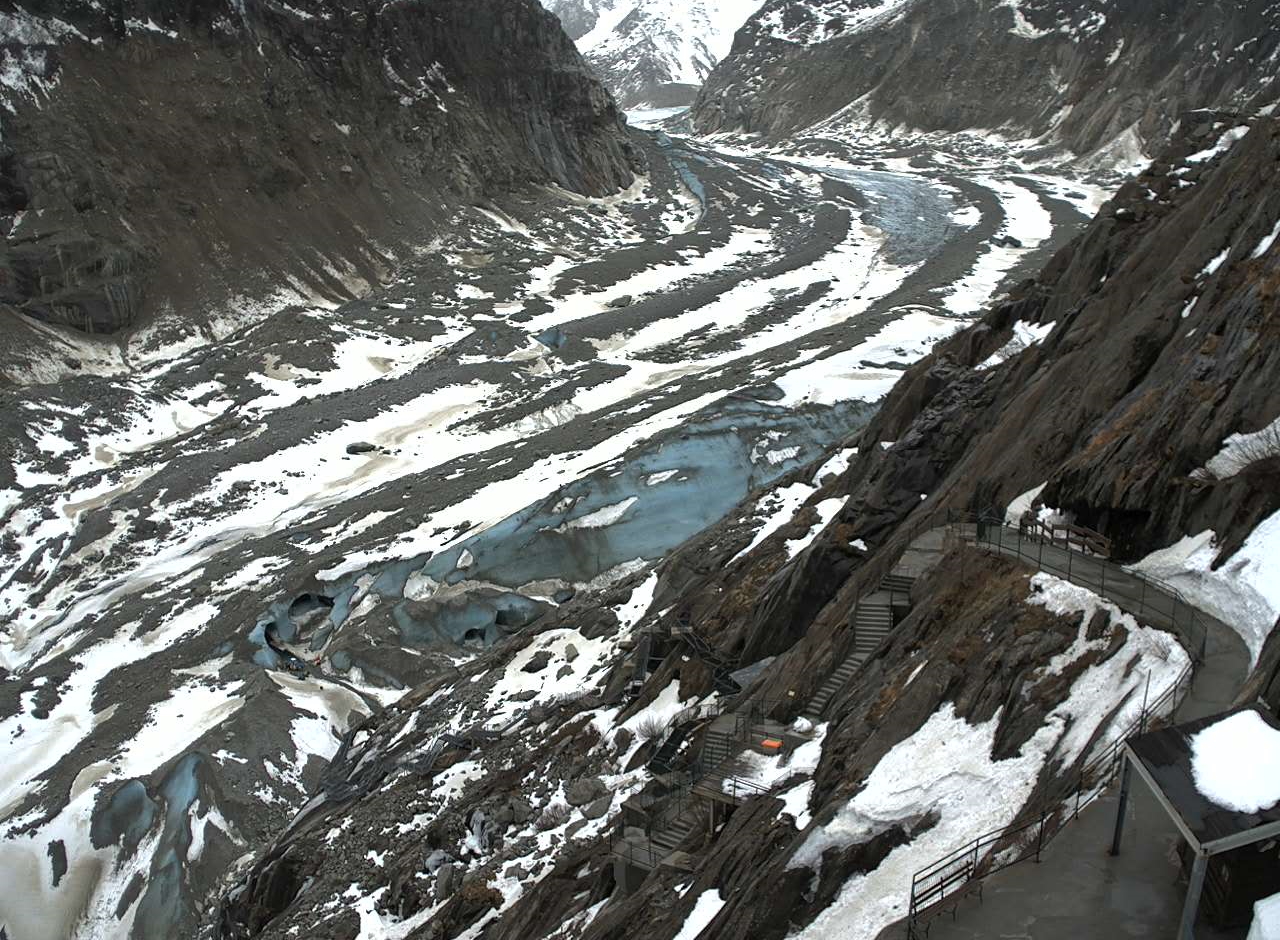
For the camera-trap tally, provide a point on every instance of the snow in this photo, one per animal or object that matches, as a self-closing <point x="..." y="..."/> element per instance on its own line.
<point x="946" y="768"/>
<point x="795" y="803"/>
<point x="826" y="510"/>
<point x="547" y="684"/>
<point x="601" y="518"/>
<point x="852" y="19"/>
<point x="1013" y="515"/>
<point x="1236" y="763"/>
<point x="1266" y="919"/>
<point x="1225" y="143"/>
<point x="655" y="479"/>
<point x="853" y="375"/>
<point x="705" y="909"/>
<point x="1216" y="263"/>
<point x="638" y="603"/>
<point x="175" y="723"/>
<point x="686" y="38"/>
<point x="653" y="117"/>
<point x="1240" y="450"/>
<point x="1025" y="335"/>
<point x="1021" y="27"/>
<point x="1265" y="245"/>
<point x="779" y="506"/>
<point x="1027" y="220"/>
<point x="768" y="770"/>
<point x="1243" y="593"/>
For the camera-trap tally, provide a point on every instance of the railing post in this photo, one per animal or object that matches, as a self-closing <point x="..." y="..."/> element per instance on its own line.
<point x="1142" y="717"/>
<point x="1068" y="564"/>
<point x="1104" y="579"/>
<point x="1142" y="600"/>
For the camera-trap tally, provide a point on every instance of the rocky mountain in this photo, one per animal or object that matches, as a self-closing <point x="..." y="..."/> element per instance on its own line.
<point x="1103" y="388"/>
<point x="152" y="155"/>
<point x="653" y="53"/>
<point x="1101" y="77"/>
<point x="432" y="508"/>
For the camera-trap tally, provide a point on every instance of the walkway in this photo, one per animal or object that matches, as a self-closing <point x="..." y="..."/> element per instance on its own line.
<point x="1078" y="889"/>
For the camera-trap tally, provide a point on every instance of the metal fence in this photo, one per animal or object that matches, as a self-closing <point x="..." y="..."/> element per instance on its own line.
<point x="1159" y="603"/>
<point x="960" y="873"/>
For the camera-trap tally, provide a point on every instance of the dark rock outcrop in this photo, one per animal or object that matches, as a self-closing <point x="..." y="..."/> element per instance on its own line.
<point x="1084" y="75"/>
<point x="1115" y="411"/>
<point x="177" y="157"/>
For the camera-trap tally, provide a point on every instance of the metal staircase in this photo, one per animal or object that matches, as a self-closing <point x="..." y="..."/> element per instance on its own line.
<point x="872" y="624"/>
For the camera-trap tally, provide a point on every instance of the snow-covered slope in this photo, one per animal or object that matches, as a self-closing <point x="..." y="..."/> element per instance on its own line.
<point x="653" y="52"/>
<point x="1101" y="77"/>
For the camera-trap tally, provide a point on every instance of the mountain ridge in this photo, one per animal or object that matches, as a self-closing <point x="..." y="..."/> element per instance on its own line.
<point x="1098" y="78"/>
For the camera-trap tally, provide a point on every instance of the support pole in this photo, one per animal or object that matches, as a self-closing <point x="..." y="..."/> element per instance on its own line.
<point x="1124" y="804"/>
<point x="1191" y="906"/>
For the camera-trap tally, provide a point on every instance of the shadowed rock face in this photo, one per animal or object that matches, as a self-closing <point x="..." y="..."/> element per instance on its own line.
<point x="190" y="153"/>
<point x="1081" y="74"/>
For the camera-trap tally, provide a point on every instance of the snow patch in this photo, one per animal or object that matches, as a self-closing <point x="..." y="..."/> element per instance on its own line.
<point x="1236" y="763"/>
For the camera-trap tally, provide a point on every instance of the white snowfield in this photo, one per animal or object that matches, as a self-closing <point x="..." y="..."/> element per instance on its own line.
<point x="685" y="38"/>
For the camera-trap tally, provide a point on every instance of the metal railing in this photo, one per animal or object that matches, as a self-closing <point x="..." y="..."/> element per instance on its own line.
<point x="962" y="871"/>
<point x="1135" y="593"/>
<point x="692" y="715"/>
<point x="1074" y="537"/>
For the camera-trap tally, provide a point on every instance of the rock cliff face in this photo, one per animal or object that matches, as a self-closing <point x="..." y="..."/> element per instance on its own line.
<point x="1084" y="76"/>
<point x="1109" y="381"/>
<point x="154" y="155"/>
<point x="1159" y="318"/>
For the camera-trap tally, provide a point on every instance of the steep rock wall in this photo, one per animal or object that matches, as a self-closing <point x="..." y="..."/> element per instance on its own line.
<point x="177" y="157"/>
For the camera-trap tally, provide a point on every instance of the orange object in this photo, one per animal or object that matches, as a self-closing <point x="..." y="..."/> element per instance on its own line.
<point x="771" y="744"/>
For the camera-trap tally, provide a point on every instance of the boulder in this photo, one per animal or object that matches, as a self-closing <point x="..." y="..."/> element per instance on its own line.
<point x="446" y="881"/>
<point x="539" y="661"/>
<point x="585" y="790"/>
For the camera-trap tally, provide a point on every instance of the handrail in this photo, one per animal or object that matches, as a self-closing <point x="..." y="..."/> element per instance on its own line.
<point x="1089" y="539"/>
<point x="1181" y="614"/>
<point x="983" y="856"/>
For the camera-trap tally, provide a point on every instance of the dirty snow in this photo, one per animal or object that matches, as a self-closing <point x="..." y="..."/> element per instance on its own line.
<point x="1243" y="593"/>
<point x="1240" y="450"/>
